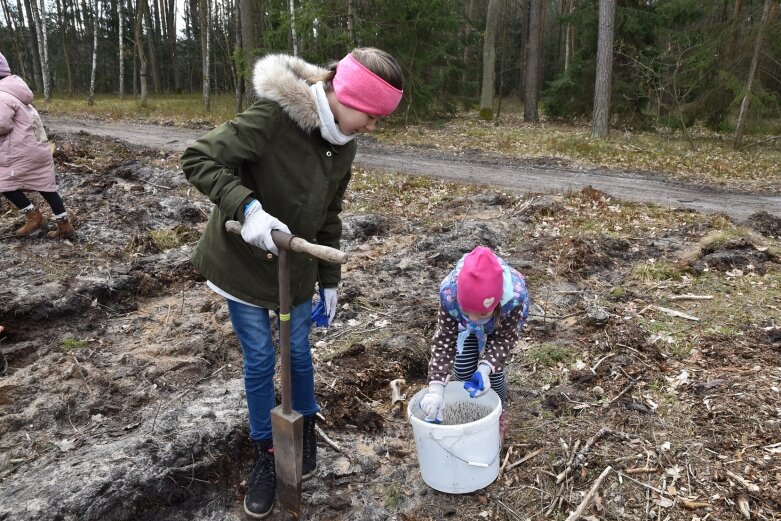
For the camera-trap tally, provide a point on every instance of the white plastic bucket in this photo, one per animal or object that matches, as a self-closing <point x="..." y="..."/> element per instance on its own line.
<point x="458" y="459"/>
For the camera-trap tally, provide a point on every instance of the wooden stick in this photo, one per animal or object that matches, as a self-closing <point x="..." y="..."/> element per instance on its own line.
<point x="641" y="470"/>
<point x="591" y="493"/>
<point x="506" y="457"/>
<point x="674" y="313"/>
<point x="328" y="440"/>
<point x="690" y="297"/>
<point x="524" y="459"/>
<point x="751" y="487"/>
<point x="581" y="455"/>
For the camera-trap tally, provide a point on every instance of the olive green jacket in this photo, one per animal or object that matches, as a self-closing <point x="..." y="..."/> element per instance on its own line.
<point x="272" y="152"/>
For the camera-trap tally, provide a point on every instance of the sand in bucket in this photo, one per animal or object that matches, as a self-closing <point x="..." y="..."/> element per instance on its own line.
<point x="461" y="454"/>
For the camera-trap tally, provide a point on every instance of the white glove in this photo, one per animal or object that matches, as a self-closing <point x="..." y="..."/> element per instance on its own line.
<point x="480" y="383"/>
<point x="257" y="227"/>
<point x="432" y="402"/>
<point x="330" y="303"/>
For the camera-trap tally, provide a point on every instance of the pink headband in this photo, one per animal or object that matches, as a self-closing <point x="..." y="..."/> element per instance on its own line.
<point x="359" y="88"/>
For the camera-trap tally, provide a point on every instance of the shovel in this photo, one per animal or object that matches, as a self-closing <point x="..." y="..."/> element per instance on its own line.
<point x="287" y="425"/>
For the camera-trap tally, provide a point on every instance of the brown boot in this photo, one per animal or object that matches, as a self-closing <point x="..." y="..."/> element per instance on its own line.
<point x="64" y="229"/>
<point x="35" y="220"/>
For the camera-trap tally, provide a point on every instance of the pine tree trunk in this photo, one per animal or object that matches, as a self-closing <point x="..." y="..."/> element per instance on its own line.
<point x="14" y="29"/>
<point x="293" y="36"/>
<point x="140" y="52"/>
<point x="237" y="54"/>
<point x="203" y="14"/>
<point x="172" y="45"/>
<point x="62" y="14"/>
<point x="569" y="38"/>
<point x="351" y="22"/>
<point x="150" y="28"/>
<point x="36" y="58"/>
<point x="91" y="98"/>
<point x="489" y="59"/>
<point x="121" y="47"/>
<point x="469" y="51"/>
<point x="250" y="41"/>
<point x="603" y="83"/>
<point x="740" y="126"/>
<point x="532" y="74"/>
<point x="43" y="47"/>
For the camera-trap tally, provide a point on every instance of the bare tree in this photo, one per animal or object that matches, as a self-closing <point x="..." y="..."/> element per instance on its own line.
<point x="204" y="14"/>
<point x="489" y="59"/>
<point x="603" y="83"/>
<point x="150" y="29"/>
<point x="532" y="73"/>
<point x="43" y="47"/>
<point x="293" y="26"/>
<point x="12" y="26"/>
<point x="120" y="30"/>
<point x="739" y="127"/>
<point x="569" y="37"/>
<point x="469" y="51"/>
<point x="139" y="30"/>
<point x="91" y="98"/>
<point x="62" y="14"/>
<point x="250" y="23"/>
<point x="36" y="56"/>
<point x="237" y="58"/>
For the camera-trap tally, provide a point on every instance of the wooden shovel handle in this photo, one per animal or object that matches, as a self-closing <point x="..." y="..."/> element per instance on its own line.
<point x="297" y="244"/>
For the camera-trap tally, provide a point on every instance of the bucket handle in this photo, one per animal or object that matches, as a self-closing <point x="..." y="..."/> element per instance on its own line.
<point x="472" y="463"/>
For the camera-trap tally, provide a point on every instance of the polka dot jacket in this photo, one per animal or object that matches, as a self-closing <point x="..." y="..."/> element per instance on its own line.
<point x="499" y="340"/>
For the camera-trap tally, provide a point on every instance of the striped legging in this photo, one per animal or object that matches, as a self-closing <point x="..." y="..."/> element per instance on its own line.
<point x="466" y="365"/>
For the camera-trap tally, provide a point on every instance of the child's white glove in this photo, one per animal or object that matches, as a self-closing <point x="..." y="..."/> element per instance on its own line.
<point x="432" y="402"/>
<point x="480" y="382"/>
<point x="258" y="225"/>
<point x="330" y="301"/>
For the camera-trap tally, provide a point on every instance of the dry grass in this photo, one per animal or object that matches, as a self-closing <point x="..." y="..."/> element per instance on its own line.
<point x="701" y="157"/>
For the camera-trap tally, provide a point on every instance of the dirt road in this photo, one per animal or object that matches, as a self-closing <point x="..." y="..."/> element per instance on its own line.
<point x="514" y="175"/>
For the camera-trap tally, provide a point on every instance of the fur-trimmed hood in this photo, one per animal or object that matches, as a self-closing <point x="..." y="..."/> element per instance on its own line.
<point x="286" y="80"/>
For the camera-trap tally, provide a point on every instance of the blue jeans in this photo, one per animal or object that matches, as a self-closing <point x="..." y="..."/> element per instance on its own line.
<point x="253" y="328"/>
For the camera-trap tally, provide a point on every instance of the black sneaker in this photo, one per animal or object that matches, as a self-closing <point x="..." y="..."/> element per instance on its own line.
<point x="309" y="464"/>
<point x="261" y="488"/>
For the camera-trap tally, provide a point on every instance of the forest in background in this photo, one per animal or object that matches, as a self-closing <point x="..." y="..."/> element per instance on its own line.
<point x="675" y="63"/>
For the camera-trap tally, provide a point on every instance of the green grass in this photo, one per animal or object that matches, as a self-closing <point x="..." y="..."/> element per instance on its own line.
<point x="658" y="271"/>
<point x="72" y="343"/>
<point x="549" y="354"/>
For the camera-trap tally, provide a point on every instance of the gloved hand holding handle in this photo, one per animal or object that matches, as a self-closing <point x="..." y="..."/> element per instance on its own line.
<point x="432" y="402"/>
<point x="480" y="382"/>
<point x="258" y="225"/>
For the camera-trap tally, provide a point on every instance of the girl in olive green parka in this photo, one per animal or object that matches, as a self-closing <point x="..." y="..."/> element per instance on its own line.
<point x="284" y="164"/>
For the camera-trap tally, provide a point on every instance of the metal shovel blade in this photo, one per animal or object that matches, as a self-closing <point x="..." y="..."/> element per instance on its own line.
<point x="287" y="429"/>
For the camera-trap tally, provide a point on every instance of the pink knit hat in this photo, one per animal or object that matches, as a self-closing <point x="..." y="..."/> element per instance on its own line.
<point x="359" y="88"/>
<point x="5" y="70"/>
<point x="480" y="282"/>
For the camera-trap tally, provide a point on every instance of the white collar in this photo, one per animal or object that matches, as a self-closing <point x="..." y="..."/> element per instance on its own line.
<point x="328" y="127"/>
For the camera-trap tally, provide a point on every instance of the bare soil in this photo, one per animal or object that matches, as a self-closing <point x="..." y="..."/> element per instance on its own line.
<point x="123" y="397"/>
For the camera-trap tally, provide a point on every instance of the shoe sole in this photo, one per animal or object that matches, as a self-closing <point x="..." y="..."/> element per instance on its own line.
<point x="253" y="515"/>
